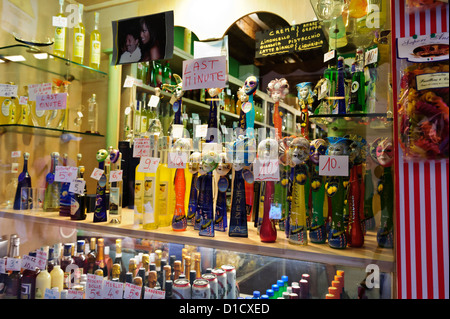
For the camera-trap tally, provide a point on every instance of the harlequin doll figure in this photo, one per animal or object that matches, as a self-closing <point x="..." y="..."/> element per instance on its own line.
<point x="298" y="156"/>
<point x="336" y="191"/>
<point x="100" y="212"/>
<point x="223" y="168"/>
<point x="319" y="201"/>
<point x="250" y="86"/>
<point x="385" y="156"/>
<point x="179" y="221"/>
<point x="305" y="96"/>
<point x="355" y="232"/>
<point x="193" y="166"/>
<point x="176" y="100"/>
<point x="277" y="90"/>
<point x="210" y="160"/>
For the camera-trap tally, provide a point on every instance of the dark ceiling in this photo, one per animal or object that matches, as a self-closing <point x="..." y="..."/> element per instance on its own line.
<point x="295" y="67"/>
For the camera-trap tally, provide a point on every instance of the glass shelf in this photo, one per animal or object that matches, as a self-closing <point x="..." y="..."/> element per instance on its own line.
<point x="41" y="60"/>
<point x="47" y="131"/>
<point x="353" y="120"/>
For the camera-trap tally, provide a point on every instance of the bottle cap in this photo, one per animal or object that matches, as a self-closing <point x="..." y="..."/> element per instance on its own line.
<point x="275" y="287"/>
<point x="256" y="293"/>
<point x="270" y="292"/>
<point x="264" y="297"/>
<point x="285" y="295"/>
<point x="284" y="278"/>
<point x="280" y="283"/>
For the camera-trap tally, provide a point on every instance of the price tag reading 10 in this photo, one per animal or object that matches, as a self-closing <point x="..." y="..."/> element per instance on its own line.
<point x="333" y="165"/>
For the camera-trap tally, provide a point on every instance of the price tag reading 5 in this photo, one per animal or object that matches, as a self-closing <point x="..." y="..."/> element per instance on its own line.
<point x="65" y="174"/>
<point x="77" y="186"/>
<point x="333" y="165"/>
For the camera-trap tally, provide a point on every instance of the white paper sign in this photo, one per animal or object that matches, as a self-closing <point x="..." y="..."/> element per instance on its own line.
<point x="59" y="22"/>
<point x="177" y="160"/>
<point x="97" y="173"/>
<point x="112" y="290"/>
<point x="333" y="165"/>
<point x="177" y="130"/>
<point x="13" y="264"/>
<point x="141" y="147"/>
<point x="77" y="186"/>
<point x="15" y="154"/>
<point x="148" y="164"/>
<point x="23" y="100"/>
<point x="94" y="286"/>
<point x="371" y="56"/>
<point x="56" y="101"/>
<point x="65" y="174"/>
<point x="203" y="73"/>
<point x="41" y="258"/>
<point x="201" y="130"/>
<point x="51" y="294"/>
<point x="74" y="294"/>
<point x="29" y="262"/>
<point x="266" y="170"/>
<point x="154" y="294"/>
<point x="154" y="100"/>
<point x="329" y="55"/>
<point x="8" y="90"/>
<point x="132" y="291"/>
<point x="115" y="176"/>
<point x="38" y="89"/>
<point x="2" y="265"/>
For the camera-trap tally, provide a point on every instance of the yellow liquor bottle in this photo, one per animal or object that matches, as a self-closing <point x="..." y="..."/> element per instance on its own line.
<point x="10" y="110"/>
<point x="165" y="189"/>
<point x="59" y="48"/>
<point x="95" y="44"/>
<point x="138" y="196"/>
<point x="78" y="38"/>
<point x="25" y="110"/>
<point x="150" y="211"/>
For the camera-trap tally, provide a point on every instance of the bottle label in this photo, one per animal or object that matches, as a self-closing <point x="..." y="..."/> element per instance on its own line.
<point x="78" y="49"/>
<point x="163" y="192"/>
<point x="149" y="187"/>
<point x="74" y="206"/>
<point x="6" y="106"/>
<point x="95" y="52"/>
<point x="60" y="39"/>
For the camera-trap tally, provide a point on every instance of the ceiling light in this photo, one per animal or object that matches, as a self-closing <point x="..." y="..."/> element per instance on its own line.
<point x="41" y="56"/>
<point x="15" y="58"/>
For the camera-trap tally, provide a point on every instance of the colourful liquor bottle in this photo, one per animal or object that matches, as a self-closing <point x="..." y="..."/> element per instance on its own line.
<point x="78" y="207"/>
<point x="80" y="260"/>
<point x="357" y="103"/>
<point x="24" y="180"/>
<point x="165" y="189"/>
<point x="59" y="48"/>
<point x="115" y="191"/>
<point x="65" y="197"/>
<point x="66" y="261"/>
<point x="79" y="38"/>
<point x="150" y="212"/>
<point x="100" y="212"/>
<point x="95" y="44"/>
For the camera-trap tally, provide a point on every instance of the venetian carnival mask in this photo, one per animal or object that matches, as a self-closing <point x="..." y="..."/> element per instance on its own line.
<point x="277" y="89"/>
<point x="373" y="149"/>
<point x="385" y="152"/>
<point x="241" y="95"/>
<point x="317" y="147"/>
<point x="268" y="149"/>
<point x="210" y="160"/>
<point x="177" y="89"/>
<point x="224" y="165"/>
<point x="298" y="151"/>
<point x="214" y="92"/>
<point x="250" y="85"/>
<point x="304" y="90"/>
<point x="194" y="162"/>
<point x="101" y="155"/>
<point x="114" y="155"/>
<point x="338" y="146"/>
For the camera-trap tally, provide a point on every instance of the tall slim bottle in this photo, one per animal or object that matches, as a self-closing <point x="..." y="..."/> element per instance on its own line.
<point x="24" y="180"/>
<point x="92" y="256"/>
<point x="357" y="103"/>
<point x="165" y="190"/>
<point x="14" y="279"/>
<point x="65" y="197"/>
<point x="150" y="212"/>
<point x="118" y="260"/>
<point x="93" y="114"/>
<point x="80" y="260"/>
<point x="59" y="48"/>
<point x="78" y="207"/>
<point x="52" y="189"/>
<point x="100" y="261"/>
<point x="95" y="44"/>
<point x="66" y="261"/>
<point x="100" y="212"/>
<point x="78" y="38"/>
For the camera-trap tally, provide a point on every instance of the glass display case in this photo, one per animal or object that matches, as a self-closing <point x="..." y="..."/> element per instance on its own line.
<point x="319" y="227"/>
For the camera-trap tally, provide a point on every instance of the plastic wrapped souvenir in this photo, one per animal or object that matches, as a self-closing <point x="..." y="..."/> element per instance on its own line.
<point x="423" y="111"/>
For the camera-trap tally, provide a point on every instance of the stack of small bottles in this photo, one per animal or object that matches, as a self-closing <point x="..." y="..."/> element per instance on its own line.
<point x="86" y="271"/>
<point x="282" y="290"/>
<point x="336" y="290"/>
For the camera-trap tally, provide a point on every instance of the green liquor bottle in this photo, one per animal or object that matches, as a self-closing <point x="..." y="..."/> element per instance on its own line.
<point x="357" y="102"/>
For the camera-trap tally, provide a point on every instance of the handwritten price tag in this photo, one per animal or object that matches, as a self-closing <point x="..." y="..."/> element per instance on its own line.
<point x="148" y="164"/>
<point x="65" y="174"/>
<point x="51" y="294"/>
<point x="201" y="130"/>
<point x="97" y="173"/>
<point x="74" y="294"/>
<point x="154" y="294"/>
<point x="29" y="262"/>
<point x="141" y="147"/>
<point x="112" y="290"/>
<point x="16" y="154"/>
<point x="132" y="291"/>
<point x="333" y="165"/>
<point x="8" y="90"/>
<point x="13" y="264"/>
<point x="41" y="258"/>
<point x="94" y="286"/>
<point x="77" y="186"/>
<point x="23" y="100"/>
<point x="2" y="265"/>
<point x="56" y="101"/>
<point x="266" y="170"/>
<point x="38" y="89"/>
<point x="177" y="160"/>
<point x="115" y="176"/>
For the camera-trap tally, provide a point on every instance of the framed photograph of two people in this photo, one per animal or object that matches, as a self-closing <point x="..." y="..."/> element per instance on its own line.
<point x="144" y="38"/>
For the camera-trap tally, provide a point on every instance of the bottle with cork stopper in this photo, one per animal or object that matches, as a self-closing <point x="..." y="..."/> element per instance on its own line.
<point x="177" y="270"/>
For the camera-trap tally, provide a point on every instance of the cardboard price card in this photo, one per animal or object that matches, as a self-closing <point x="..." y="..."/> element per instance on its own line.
<point x="55" y="101"/>
<point x="141" y="147"/>
<point x="266" y="170"/>
<point x="333" y="165"/>
<point x="148" y="164"/>
<point x="94" y="286"/>
<point x="77" y="186"/>
<point x="203" y="73"/>
<point x="177" y="160"/>
<point x="115" y="176"/>
<point x="112" y="290"/>
<point x="97" y="173"/>
<point x="132" y="291"/>
<point x="65" y="174"/>
<point x="154" y="294"/>
<point x="74" y="294"/>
